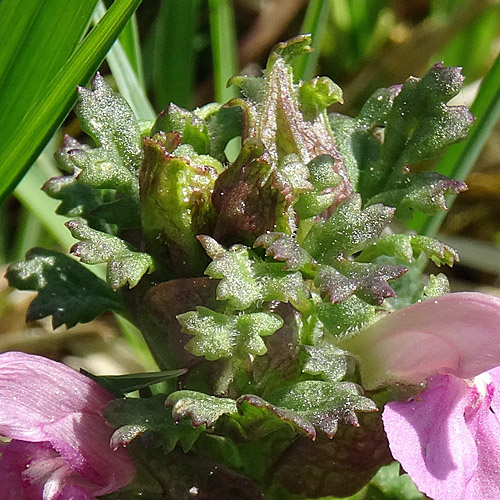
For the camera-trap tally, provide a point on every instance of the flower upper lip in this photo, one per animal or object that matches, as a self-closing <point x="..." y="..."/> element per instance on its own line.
<point x="457" y="333"/>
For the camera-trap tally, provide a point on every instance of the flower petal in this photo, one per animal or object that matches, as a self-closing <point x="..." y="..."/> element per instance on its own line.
<point x="484" y="427"/>
<point x="16" y="459"/>
<point x="36" y="391"/>
<point x="429" y="437"/>
<point x="45" y="401"/>
<point x="457" y="333"/>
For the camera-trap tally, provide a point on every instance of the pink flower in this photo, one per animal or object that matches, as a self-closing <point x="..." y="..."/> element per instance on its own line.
<point x="448" y="437"/>
<point x="60" y="441"/>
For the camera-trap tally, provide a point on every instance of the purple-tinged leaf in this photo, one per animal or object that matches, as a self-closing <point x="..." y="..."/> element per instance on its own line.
<point x="246" y="197"/>
<point x="334" y="467"/>
<point x="368" y="281"/>
<point x="424" y="191"/>
<point x="284" y="247"/>
<point x="325" y="405"/>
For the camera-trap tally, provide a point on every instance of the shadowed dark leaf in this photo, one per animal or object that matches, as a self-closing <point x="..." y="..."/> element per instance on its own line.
<point x="167" y="300"/>
<point x="66" y="290"/>
<point x="339" y="466"/>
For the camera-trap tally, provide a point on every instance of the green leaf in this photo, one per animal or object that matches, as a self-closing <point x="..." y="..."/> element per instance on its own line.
<point x="419" y="125"/>
<point x="392" y="483"/>
<point x="123" y="384"/>
<point x="108" y="119"/>
<point x="346" y="317"/>
<point x="325" y="405"/>
<point x="135" y="417"/>
<point x="348" y="230"/>
<point x="356" y="138"/>
<point x="122" y="263"/>
<point x="66" y="290"/>
<point x="77" y="199"/>
<point x="201" y="408"/>
<point x="224" y="123"/>
<point x="406" y="246"/>
<point x="220" y="336"/>
<point x="176" y="205"/>
<point x="438" y="285"/>
<point x="284" y="247"/>
<point x="258" y="418"/>
<point x="43" y="106"/>
<point x="332" y="363"/>
<point x="322" y="196"/>
<point x="318" y="94"/>
<point x="290" y="49"/>
<point x="246" y="279"/>
<point x="192" y="129"/>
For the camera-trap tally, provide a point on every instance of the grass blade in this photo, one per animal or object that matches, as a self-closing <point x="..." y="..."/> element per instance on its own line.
<point x="129" y="40"/>
<point x="29" y="193"/>
<point x="174" y="54"/>
<point x="315" y="22"/>
<point x="224" y="48"/>
<point x="37" y="38"/>
<point x="26" y="140"/>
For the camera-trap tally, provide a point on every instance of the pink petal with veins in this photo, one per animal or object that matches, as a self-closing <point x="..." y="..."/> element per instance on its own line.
<point x="45" y="401"/>
<point x="457" y="333"/>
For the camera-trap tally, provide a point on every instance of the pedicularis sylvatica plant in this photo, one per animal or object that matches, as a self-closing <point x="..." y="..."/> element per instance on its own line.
<point x="300" y="349"/>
